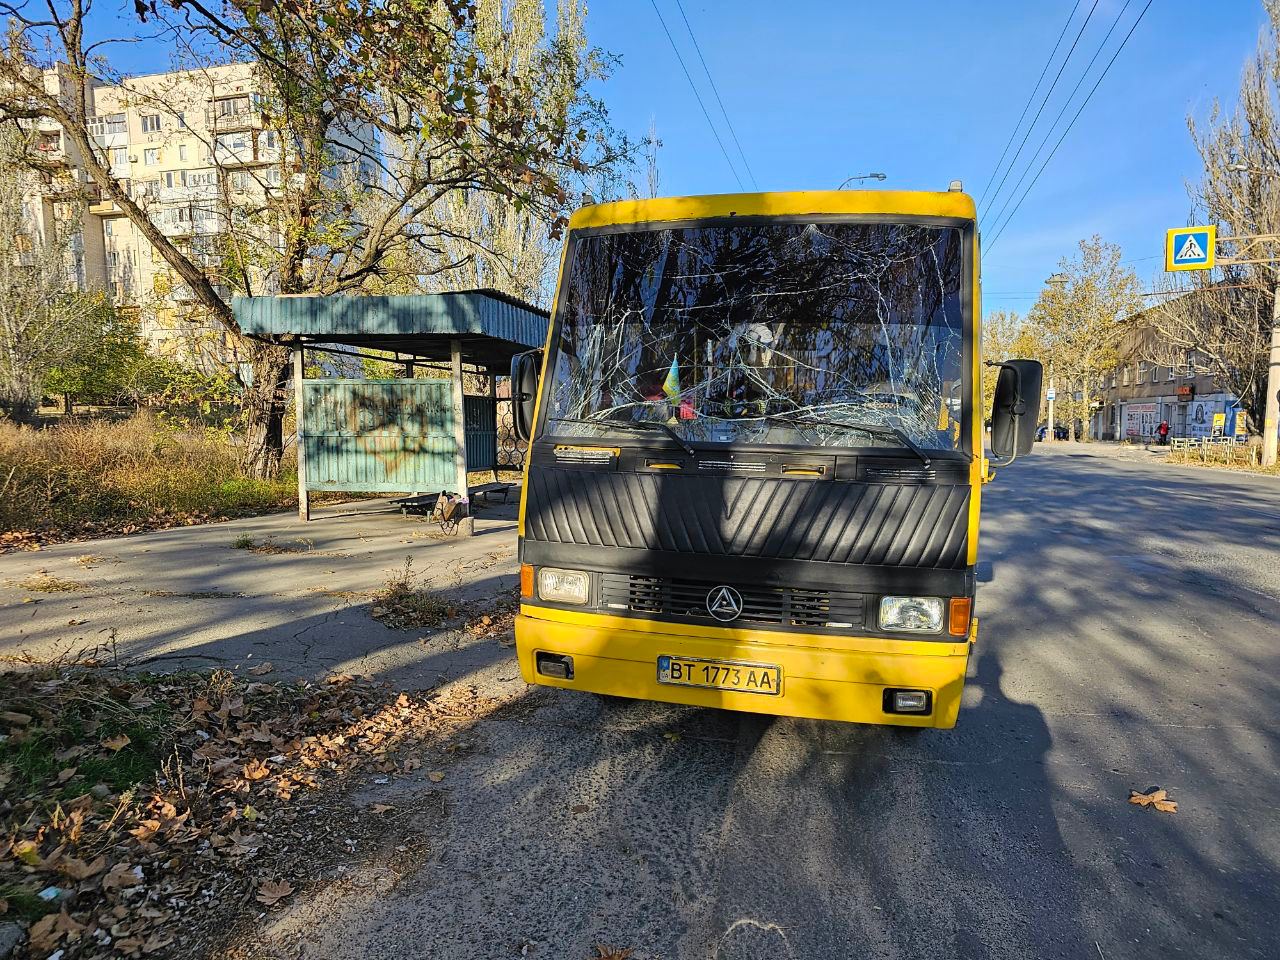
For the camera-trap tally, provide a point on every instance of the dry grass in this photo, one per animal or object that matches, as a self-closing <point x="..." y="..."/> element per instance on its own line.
<point x="1225" y="457"/>
<point x="271" y="545"/>
<point x="407" y="600"/>
<point x="95" y="478"/>
<point x="42" y="582"/>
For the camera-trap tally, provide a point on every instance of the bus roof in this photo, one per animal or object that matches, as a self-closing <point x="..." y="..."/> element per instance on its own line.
<point x="919" y="203"/>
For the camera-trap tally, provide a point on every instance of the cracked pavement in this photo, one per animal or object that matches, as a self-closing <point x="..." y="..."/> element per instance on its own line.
<point x="189" y="597"/>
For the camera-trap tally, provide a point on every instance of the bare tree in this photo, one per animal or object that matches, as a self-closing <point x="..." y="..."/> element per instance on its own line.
<point x="488" y="239"/>
<point x="44" y="318"/>
<point x="1224" y="325"/>
<point x="381" y="114"/>
<point x="1079" y="324"/>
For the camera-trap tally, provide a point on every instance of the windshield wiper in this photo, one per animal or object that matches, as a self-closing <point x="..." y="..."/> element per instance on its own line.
<point x="875" y="429"/>
<point x="645" y="426"/>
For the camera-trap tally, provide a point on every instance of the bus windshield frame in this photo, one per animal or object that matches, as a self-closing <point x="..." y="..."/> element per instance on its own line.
<point x="745" y="367"/>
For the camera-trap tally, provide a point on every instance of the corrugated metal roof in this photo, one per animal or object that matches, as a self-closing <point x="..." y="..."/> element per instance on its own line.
<point x="484" y="313"/>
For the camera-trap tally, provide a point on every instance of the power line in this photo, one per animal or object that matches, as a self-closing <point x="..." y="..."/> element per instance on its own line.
<point x="1065" y="105"/>
<point x="697" y="95"/>
<point x="1094" y="90"/>
<point x="1047" y="94"/>
<point x="1027" y="106"/>
<point x="714" y="89"/>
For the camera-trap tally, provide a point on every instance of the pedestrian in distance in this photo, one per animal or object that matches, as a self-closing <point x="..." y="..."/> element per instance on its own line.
<point x="1163" y="432"/>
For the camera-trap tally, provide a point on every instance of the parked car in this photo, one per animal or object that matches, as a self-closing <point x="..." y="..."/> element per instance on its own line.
<point x="1059" y="432"/>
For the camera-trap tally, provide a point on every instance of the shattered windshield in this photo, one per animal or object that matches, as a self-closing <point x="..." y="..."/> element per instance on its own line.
<point x="815" y="334"/>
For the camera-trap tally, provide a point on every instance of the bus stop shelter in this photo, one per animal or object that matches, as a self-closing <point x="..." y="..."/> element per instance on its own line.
<point x="413" y="434"/>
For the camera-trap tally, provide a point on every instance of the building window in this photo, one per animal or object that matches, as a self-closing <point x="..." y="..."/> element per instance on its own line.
<point x="113" y="123"/>
<point x="1113" y="378"/>
<point x="182" y="119"/>
<point x="232" y="141"/>
<point x="1125" y="374"/>
<point x="119" y="156"/>
<point x="151" y="156"/>
<point x="232" y="106"/>
<point x="108" y="227"/>
<point x="182" y="151"/>
<point x="269" y="139"/>
<point x="151" y="123"/>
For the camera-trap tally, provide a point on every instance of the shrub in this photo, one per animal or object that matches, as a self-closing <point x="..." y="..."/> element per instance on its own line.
<point x="94" y="478"/>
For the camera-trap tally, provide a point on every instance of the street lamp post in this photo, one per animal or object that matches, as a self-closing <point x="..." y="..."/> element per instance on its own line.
<point x="1271" y="416"/>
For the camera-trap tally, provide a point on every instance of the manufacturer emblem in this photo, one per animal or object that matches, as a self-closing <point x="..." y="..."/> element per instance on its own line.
<point x="724" y="603"/>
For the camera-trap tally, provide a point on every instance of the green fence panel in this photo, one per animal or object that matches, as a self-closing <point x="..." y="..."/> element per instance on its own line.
<point x="391" y="436"/>
<point x="378" y="436"/>
<point x="482" y="432"/>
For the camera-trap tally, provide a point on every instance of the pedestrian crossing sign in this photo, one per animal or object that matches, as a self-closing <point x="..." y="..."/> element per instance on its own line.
<point x="1190" y="248"/>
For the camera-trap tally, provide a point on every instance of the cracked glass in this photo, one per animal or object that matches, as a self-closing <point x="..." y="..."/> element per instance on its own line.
<point x="797" y="334"/>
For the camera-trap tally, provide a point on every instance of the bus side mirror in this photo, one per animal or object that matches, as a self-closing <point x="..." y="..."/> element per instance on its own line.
<point x="524" y="391"/>
<point x="1016" y="409"/>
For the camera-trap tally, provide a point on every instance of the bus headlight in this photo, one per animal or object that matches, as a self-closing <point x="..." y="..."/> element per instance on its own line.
<point x="911" y="614"/>
<point x="564" y="586"/>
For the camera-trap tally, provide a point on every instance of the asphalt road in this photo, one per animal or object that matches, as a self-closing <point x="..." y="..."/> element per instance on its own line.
<point x="1130" y="637"/>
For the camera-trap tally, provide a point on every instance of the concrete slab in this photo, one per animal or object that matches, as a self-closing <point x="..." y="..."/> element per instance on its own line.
<point x="191" y="597"/>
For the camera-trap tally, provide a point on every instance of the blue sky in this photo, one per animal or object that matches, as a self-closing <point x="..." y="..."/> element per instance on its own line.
<point x="928" y="91"/>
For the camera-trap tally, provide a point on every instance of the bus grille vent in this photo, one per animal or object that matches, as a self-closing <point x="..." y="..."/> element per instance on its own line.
<point x="687" y="599"/>
<point x="899" y="475"/>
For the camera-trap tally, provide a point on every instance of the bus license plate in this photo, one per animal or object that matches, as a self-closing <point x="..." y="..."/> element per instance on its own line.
<point x="737" y="675"/>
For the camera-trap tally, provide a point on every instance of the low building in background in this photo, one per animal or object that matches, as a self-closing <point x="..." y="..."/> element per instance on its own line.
<point x="1140" y="393"/>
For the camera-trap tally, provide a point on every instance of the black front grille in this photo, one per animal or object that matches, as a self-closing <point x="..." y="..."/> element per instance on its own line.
<point x="687" y="600"/>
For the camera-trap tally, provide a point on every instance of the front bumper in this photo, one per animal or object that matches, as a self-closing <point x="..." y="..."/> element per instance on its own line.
<point x="824" y="677"/>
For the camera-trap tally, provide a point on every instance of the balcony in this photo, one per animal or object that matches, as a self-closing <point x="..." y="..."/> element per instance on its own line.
<point x="49" y="147"/>
<point x="105" y="207"/>
<point x="228" y="117"/>
<point x="187" y="192"/>
<point x="188" y="222"/>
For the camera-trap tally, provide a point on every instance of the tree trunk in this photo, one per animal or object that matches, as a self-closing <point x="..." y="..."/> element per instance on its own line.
<point x="20" y="399"/>
<point x="262" y="409"/>
<point x="68" y="404"/>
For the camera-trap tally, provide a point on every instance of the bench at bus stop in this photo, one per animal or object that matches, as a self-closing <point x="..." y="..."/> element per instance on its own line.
<point x="426" y="502"/>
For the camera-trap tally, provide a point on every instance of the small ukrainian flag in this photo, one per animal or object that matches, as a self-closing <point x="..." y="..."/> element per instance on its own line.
<point x="671" y="385"/>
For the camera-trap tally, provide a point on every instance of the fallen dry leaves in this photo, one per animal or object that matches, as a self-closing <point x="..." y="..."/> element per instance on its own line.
<point x="244" y="788"/>
<point x="270" y="892"/>
<point x="1154" y="797"/>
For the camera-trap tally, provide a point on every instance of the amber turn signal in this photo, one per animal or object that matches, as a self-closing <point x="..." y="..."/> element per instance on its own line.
<point x="958" y="625"/>
<point x="526" y="580"/>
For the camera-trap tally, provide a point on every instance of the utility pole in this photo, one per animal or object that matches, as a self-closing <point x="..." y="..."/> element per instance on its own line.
<point x="1058" y="281"/>
<point x="1053" y="396"/>
<point x="1271" y="421"/>
<point x="1271" y="415"/>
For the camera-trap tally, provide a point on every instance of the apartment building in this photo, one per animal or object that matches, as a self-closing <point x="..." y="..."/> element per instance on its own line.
<point x="1139" y="393"/>
<point x="190" y="147"/>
